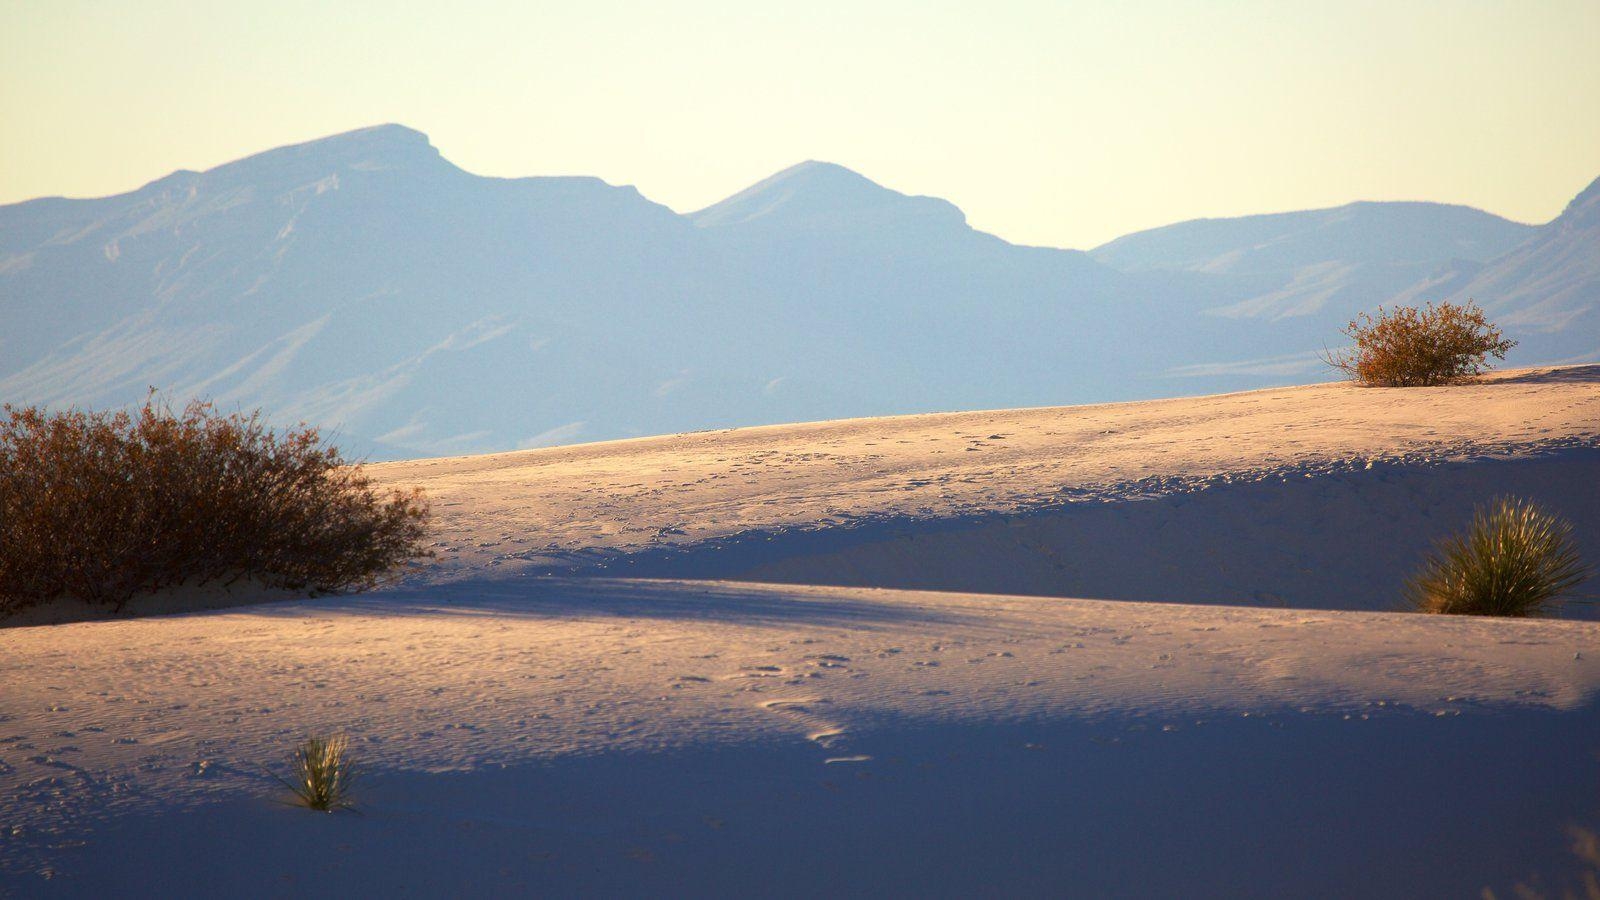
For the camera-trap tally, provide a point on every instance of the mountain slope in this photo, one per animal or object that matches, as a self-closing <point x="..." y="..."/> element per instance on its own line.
<point x="820" y="196"/>
<point x="364" y="283"/>
<point x="1327" y="261"/>
<point x="358" y="281"/>
<point x="1547" y="289"/>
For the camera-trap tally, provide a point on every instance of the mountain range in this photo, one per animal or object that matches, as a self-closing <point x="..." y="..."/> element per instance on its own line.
<point x="363" y="283"/>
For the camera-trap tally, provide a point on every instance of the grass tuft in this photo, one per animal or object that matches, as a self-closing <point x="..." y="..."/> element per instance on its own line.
<point x="322" y="773"/>
<point x="1514" y="560"/>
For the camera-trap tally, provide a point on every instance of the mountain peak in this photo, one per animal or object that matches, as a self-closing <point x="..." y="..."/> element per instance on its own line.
<point x="377" y="147"/>
<point x="815" y="191"/>
<point x="1584" y="210"/>
<point x="389" y="135"/>
<point x="822" y="174"/>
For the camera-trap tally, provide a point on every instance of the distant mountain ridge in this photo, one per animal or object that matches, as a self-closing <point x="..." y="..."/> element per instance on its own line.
<point x="1299" y="263"/>
<point x="365" y="283"/>
<point x="1548" y="287"/>
<point x="819" y="194"/>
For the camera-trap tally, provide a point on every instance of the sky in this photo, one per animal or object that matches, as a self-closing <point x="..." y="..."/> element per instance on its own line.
<point x="1053" y="123"/>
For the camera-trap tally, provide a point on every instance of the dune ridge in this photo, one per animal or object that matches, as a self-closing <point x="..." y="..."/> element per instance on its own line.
<point x="580" y="733"/>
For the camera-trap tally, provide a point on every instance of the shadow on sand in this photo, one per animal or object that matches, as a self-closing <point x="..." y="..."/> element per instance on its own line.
<point x="621" y="598"/>
<point x="1589" y="374"/>
<point x="1336" y="539"/>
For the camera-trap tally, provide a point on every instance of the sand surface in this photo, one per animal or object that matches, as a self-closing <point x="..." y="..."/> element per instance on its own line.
<point x="529" y="510"/>
<point x="580" y="733"/>
<point x="540" y="702"/>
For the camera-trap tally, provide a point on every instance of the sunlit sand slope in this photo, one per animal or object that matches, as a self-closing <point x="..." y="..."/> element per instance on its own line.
<point x="1322" y="496"/>
<point x="896" y="719"/>
<point x="527" y="733"/>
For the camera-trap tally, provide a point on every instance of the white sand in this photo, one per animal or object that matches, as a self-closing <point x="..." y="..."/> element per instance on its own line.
<point x="517" y="511"/>
<point x="569" y="736"/>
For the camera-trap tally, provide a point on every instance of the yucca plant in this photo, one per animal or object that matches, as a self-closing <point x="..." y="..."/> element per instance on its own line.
<point x="1514" y="560"/>
<point x="322" y="773"/>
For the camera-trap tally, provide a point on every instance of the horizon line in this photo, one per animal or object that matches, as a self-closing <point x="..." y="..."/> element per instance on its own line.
<point x="689" y="213"/>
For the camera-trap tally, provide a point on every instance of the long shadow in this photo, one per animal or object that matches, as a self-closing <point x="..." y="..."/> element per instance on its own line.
<point x="549" y="597"/>
<point x="1335" y="537"/>
<point x="1589" y="374"/>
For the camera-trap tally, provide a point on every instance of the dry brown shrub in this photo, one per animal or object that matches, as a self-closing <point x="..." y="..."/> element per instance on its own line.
<point x="1412" y="346"/>
<point x="105" y="506"/>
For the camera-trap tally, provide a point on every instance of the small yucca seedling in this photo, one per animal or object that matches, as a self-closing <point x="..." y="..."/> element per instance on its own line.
<point x="322" y="773"/>
<point x="1515" y="560"/>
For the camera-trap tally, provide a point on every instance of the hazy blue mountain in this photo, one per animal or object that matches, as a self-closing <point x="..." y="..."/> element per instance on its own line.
<point x="1309" y="273"/>
<point x="1320" y="261"/>
<point x="868" y="284"/>
<point x="359" y="281"/>
<point x="1546" y="290"/>
<point x="364" y="283"/>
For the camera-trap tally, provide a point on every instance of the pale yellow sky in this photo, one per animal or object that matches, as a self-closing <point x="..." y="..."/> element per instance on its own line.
<point x="1060" y="123"/>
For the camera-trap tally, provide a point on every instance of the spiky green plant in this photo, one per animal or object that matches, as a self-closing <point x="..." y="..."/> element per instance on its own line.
<point x="1514" y="560"/>
<point x="322" y="773"/>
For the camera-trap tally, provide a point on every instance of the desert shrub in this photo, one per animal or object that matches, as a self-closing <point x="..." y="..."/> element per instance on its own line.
<point x="1514" y="560"/>
<point x="322" y="773"/>
<point x="1412" y="346"/>
<point x="104" y="506"/>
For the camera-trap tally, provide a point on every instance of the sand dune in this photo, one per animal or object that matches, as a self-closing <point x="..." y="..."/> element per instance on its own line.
<point x="1321" y="496"/>
<point x="870" y="714"/>
<point x="580" y="733"/>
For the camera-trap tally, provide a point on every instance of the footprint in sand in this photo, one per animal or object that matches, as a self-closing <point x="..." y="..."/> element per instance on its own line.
<point x="827" y="734"/>
<point x="756" y="672"/>
<point x="828" y="661"/>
